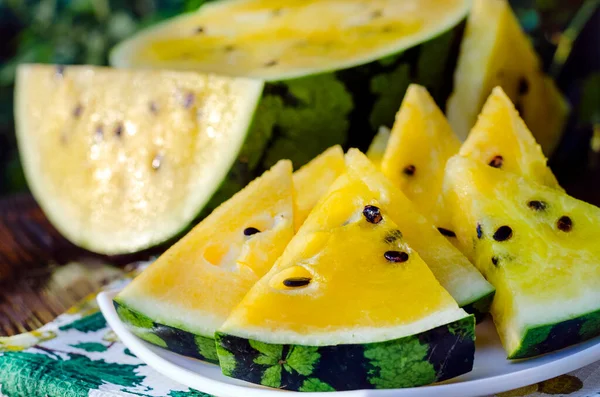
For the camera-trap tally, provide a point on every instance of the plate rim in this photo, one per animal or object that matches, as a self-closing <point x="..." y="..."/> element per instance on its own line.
<point x="467" y="388"/>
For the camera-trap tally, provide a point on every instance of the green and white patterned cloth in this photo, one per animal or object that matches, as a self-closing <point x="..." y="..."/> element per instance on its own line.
<point x="79" y="355"/>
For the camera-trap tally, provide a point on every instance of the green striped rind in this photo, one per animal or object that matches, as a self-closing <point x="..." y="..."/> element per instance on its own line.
<point x="299" y="118"/>
<point x="434" y="355"/>
<point x="170" y="338"/>
<point x="480" y="307"/>
<point x="550" y="337"/>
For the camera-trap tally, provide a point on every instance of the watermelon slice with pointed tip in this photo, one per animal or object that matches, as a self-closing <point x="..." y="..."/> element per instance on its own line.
<point x="496" y="52"/>
<point x="335" y="70"/>
<point x="538" y="247"/>
<point x="313" y="180"/>
<point x="378" y="144"/>
<point x="183" y="297"/>
<point x="316" y="321"/>
<point x="452" y="269"/>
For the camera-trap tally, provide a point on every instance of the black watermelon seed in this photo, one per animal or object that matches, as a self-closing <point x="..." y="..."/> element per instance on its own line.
<point x="392" y="236"/>
<point x="60" y="70"/>
<point x="199" y="29"/>
<point x="153" y="107"/>
<point x="189" y="99"/>
<point x="296" y="281"/>
<point x="396" y="256"/>
<point x="537" y="205"/>
<point x="77" y="111"/>
<point x="523" y="86"/>
<point x="564" y="224"/>
<point x="446" y="232"/>
<point x="271" y="63"/>
<point x="119" y="130"/>
<point x="372" y="213"/>
<point x="496" y="162"/>
<point x="495" y="260"/>
<point x="503" y="233"/>
<point x="409" y="170"/>
<point x="479" y="231"/>
<point x="249" y="231"/>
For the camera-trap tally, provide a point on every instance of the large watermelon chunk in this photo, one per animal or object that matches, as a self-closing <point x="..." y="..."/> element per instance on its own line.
<point x="538" y="247"/>
<point x="183" y="297"/>
<point x="452" y="269"/>
<point x="496" y="52"/>
<point x="316" y="321"/>
<point x="333" y="68"/>
<point x="122" y="160"/>
<point x="420" y="144"/>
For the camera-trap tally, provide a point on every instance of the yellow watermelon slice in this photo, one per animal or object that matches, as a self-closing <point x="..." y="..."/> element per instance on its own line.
<point x="378" y="145"/>
<point x="349" y="305"/>
<point x="538" y="247"/>
<point x="452" y="269"/>
<point x="314" y="179"/>
<point x="122" y="160"/>
<point x="496" y="52"/>
<point x="183" y="297"/>
<point x="501" y="139"/>
<point x="420" y="144"/>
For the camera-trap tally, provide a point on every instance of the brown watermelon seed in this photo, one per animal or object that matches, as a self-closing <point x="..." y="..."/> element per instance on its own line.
<point x="523" y="86"/>
<point x="199" y="30"/>
<point x="373" y="214"/>
<point x="503" y="233"/>
<point x="157" y="161"/>
<point x="564" y="224"/>
<point x="446" y="232"/>
<point x="495" y="260"/>
<point x="392" y="236"/>
<point x="479" y="231"/>
<point x="119" y="130"/>
<point x="537" y="205"/>
<point x="189" y="99"/>
<point x="396" y="256"/>
<point x="78" y="110"/>
<point x="296" y="281"/>
<point x="376" y="14"/>
<point x="153" y="107"/>
<point x="271" y="63"/>
<point x="249" y="231"/>
<point x="496" y="161"/>
<point x="409" y="170"/>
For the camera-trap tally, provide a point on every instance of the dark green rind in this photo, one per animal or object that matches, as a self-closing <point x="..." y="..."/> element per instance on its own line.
<point x="550" y="337"/>
<point x="481" y="307"/>
<point x="299" y="118"/>
<point x="170" y="338"/>
<point x="434" y="355"/>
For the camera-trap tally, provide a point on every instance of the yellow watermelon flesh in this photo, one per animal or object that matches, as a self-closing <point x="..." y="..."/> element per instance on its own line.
<point x="122" y="160"/>
<point x="346" y="282"/>
<point x="377" y="147"/>
<point x="420" y="144"/>
<point x="314" y="179"/>
<point x="452" y="269"/>
<point x="538" y="247"/>
<point x="496" y="52"/>
<point x="192" y="288"/>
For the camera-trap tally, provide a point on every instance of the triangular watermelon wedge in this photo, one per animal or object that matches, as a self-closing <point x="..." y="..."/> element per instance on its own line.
<point x="349" y="305"/>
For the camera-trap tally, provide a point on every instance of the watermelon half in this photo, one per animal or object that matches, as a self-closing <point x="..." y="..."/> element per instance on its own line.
<point x="335" y="70"/>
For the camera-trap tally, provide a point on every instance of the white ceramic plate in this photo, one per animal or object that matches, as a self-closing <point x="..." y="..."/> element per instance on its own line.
<point x="492" y="373"/>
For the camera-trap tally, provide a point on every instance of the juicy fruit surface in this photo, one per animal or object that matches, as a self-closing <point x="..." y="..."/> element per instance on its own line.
<point x="122" y="160"/>
<point x="500" y="137"/>
<point x="271" y="41"/>
<point x="339" y="254"/>
<point x="420" y="144"/>
<point x="378" y="145"/>
<point x="313" y="180"/>
<point x="495" y="52"/>
<point x="538" y="247"/>
<point x="199" y="280"/>
<point x="451" y="268"/>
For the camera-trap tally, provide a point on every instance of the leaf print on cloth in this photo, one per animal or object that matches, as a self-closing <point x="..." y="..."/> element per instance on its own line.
<point x="564" y="384"/>
<point x="25" y="341"/>
<point x="92" y="323"/>
<point x="191" y="393"/>
<point x="91" y="347"/>
<point x="31" y="374"/>
<point x="299" y="359"/>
